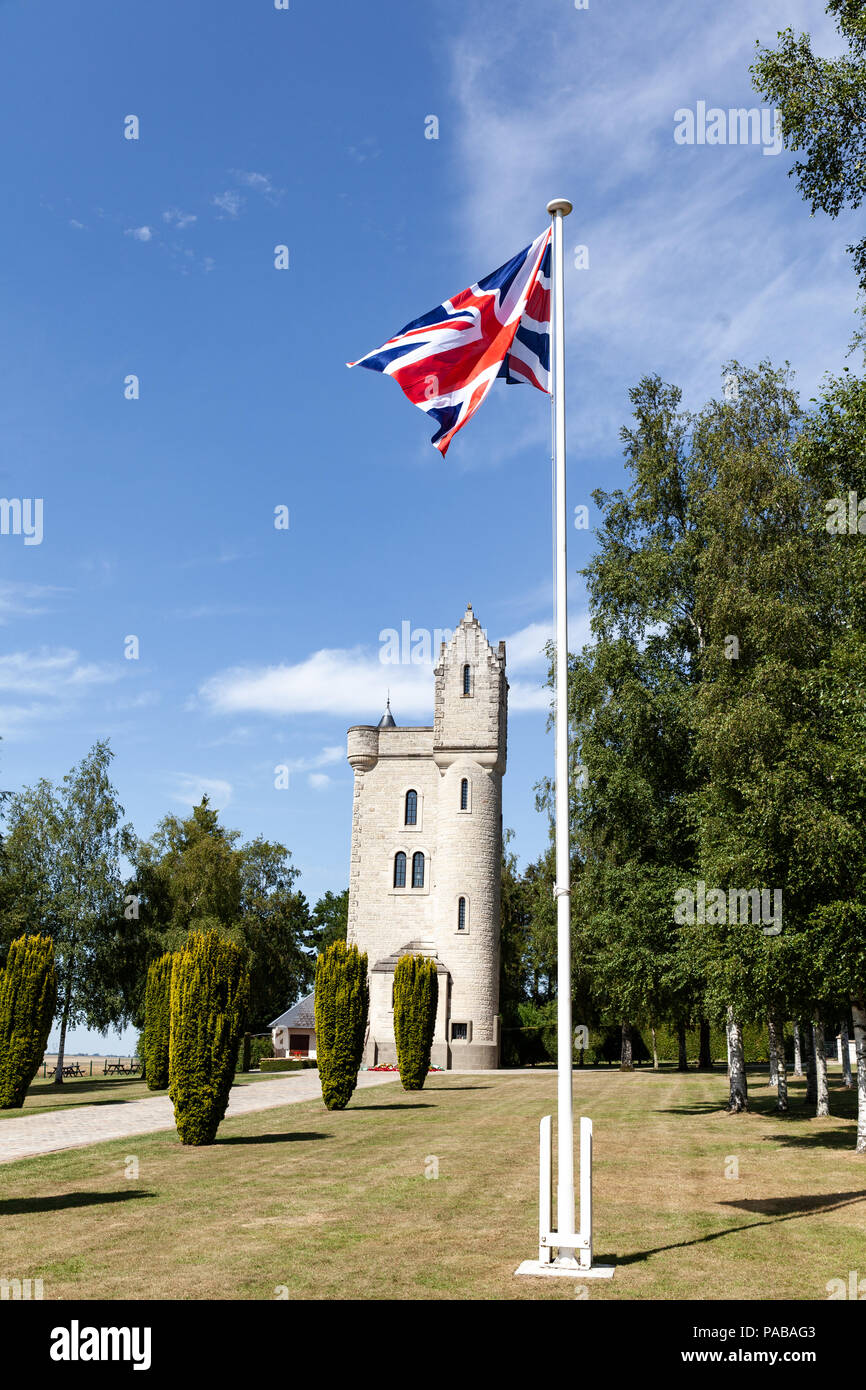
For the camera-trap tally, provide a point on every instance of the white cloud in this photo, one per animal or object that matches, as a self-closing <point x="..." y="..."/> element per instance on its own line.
<point x="140" y="233"/>
<point x="25" y="600"/>
<point x="178" y="219"/>
<point x="353" y="682"/>
<point x="229" y="202"/>
<point x="188" y="788"/>
<point x="319" y="780"/>
<point x="47" y="685"/>
<point x="73" y="222"/>
<point x="260" y="183"/>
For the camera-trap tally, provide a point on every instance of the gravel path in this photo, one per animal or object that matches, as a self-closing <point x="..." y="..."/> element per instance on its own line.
<point x="78" y="1125"/>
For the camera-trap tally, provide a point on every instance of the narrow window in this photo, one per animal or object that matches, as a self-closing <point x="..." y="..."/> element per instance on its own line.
<point x="459" y="1032"/>
<point x="467" y="680"/>
<point x="417" y="869"/>
<point x="400" y="870"/>
<point x="411" y="808"/>
<point x="461" y="914"/>
<point x="464" y="794"/>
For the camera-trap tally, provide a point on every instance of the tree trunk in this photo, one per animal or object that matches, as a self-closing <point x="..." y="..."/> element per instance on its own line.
<point x="739" y="1090"/>
<point x="782" y="1066"/>
<point x="245" y="1055"/>
<point x="798" y="1056"/>
<point x="705" y="1054"/>
<point x="858" y="1008"/>
<point x="655" y="1049"/>
<point x="682" y="1057"/>
<point x="61" y="1046"/>
<point x="774" y="1053"/>
<point x="811" y="1070"/>
<point x="822" y="1092"/>
<point x="626" y="1061"/>
<point x="728" y="1043"/>
<point x="845" y="1044"/>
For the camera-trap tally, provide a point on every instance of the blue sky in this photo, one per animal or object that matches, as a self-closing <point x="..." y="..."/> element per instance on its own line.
<point x="258" y="647"/>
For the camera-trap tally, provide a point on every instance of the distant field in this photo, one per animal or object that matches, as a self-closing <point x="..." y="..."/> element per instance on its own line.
<point x="433" y="1195"/>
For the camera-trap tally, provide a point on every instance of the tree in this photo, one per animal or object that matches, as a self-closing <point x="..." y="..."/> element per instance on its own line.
<point x="209" y="1003"/>
<point x="342" y="1003"/>
<point x="416" y="997"/>
<point x="157" y="1022"/>
<point x="194" y="875"/>
<point x="28" y="997"/>
<point x="822" y="107"/>
<point x="63" y="855"/>
<point x="328" y="921"/>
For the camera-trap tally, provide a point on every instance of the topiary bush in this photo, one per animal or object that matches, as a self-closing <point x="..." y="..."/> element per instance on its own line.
<point x="416" y="996"/>
<point x="210" y="989"/>
<point x="157" y="1022"/>
<point x="28" y="997"/>
<point x="342" y="1003"/>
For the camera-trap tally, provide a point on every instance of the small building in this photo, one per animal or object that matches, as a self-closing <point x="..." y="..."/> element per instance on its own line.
<point x="295" y="1030"/>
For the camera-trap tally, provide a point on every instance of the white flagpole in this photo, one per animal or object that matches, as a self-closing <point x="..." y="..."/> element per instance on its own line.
<point x="574" y="1246"/>
<point x="559" y="209"/>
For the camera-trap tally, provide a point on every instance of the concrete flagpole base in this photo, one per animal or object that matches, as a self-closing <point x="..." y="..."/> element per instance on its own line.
<point x="536" y="1269"/>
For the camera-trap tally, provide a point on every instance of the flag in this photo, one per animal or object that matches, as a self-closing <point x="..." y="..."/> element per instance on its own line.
<point x="447" y="360"/>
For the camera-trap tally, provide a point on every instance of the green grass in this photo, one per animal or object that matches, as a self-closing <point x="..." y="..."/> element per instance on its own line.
<point x="336" y="1204"/>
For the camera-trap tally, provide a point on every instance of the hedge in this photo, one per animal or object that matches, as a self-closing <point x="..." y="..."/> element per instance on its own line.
<point x="416" y="996"/>
<point x="157" y="1022"/>
<point x="286" y="1063"/>
<point x="209" y="1000"/>
<point x="28" y="997"/>
<point x="342" y="1004"/>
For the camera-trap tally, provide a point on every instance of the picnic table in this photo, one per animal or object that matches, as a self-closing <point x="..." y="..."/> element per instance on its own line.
<point x="121" y="1068"/>
<point x="72" y="1070"/>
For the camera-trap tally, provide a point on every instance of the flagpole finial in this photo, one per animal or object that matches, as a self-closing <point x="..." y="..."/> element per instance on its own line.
<point x="560" y="205"/>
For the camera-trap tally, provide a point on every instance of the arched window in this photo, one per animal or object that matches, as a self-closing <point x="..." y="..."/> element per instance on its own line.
<point x="464" y="794"/>
<point x="400" y="870"/>
<point x="411" y="808"/>
<point x="461" y="914"/>
<point x="467" y="680"/>
<point x="417" y="870"/>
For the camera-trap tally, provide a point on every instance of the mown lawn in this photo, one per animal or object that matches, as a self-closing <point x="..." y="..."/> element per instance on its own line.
<point x="337" y="1205"/>
<point x="98" y="1090"/>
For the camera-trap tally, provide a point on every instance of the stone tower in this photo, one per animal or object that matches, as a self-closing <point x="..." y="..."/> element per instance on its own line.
<point x="425" y="873"/>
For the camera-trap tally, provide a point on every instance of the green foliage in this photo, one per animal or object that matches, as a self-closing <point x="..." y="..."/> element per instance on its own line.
<point x="328" y="922"/>
<point x="822" y="107"/>
<point x="342" y="1007"/>
<point x="416" y="996"/>
<point x="209" y="1003"/>
<point x="195" y="876"/>
<point x="288" y="1064"/>
<point x="157" y="1029"/>
<point x="28" y="996"/>
<point x="62" y="858"/>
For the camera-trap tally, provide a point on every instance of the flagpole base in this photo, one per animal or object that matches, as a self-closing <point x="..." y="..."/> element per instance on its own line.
<point x="536" y="1269"/>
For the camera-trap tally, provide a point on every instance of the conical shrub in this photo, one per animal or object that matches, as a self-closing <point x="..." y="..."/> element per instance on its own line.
<point x="416" y="996"/>
<point x="342" y="1007"/>
<point x="28" y="997"/>
<point x="209" y="1001"/>
<point x="157" y="1022"/>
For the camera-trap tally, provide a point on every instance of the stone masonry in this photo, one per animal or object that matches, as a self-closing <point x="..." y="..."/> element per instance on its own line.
<point x="461" y="848"/>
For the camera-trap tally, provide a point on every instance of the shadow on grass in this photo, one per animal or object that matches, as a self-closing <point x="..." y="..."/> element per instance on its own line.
<point x="783" y="1206"/>
<point x="270" y="1138"/>
<point x="790" y="1209"/>
<point x="820" y="1139"/>
<point x="21" y="1206"/>
<point x="400" y="1105"/>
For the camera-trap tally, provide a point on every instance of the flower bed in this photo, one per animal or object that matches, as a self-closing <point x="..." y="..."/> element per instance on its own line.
<point x="392" y="1066"/>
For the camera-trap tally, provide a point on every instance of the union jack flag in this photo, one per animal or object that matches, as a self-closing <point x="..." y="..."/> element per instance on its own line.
<point x="446" y="361"/>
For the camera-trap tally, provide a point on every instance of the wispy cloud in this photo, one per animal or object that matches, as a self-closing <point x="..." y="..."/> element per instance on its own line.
<point x="140" y="233"/>
<point x="25" y="600"/>
<point x="188" y="788"/>
<point x="259" y="183"/>
<point x="45" y="686"/>
<point x="175" y="218"/>
<point x="229" y="203"/>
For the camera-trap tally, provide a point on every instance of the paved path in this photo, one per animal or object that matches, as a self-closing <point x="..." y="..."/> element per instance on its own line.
<point x="76" y="1126"/>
